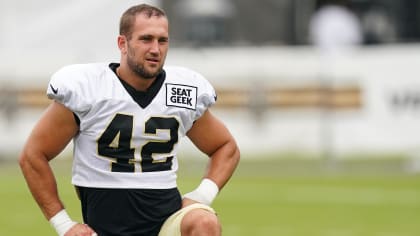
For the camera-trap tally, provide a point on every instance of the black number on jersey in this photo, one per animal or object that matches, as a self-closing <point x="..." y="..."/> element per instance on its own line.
<point x="115" y="142"/>
<point x="148" y="164"/>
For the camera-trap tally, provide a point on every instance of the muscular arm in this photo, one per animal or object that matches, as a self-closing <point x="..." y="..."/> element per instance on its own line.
<point x="49" y="137"/>
<point x="211" y="136"/>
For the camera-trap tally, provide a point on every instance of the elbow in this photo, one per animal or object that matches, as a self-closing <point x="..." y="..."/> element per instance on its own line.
<point x="24" y="161"/>
<point x="228" y="153"/>
<point x="30" y="160"/>
<point x="32" y="164"/>
<point x="234" y="153"/>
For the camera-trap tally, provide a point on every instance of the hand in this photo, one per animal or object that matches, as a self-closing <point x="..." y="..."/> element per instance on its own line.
<point x="80" y="230"/>
<point x="186" y="202"/>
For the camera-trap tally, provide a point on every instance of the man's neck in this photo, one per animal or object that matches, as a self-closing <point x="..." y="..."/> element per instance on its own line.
<point x="140" y="84"/>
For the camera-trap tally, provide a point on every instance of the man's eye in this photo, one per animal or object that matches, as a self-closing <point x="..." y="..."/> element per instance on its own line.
<point x="145" y="38"/>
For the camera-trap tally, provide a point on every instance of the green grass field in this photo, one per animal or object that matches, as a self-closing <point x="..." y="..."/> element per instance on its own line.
<point x="264" y="198"/>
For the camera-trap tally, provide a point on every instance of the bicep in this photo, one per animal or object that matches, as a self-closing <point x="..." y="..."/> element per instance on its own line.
<point x="54" y="130"/>
<point x="208" y="133"/>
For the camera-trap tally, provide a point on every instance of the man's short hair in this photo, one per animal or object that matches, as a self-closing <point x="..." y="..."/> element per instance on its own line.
<point x="129" y="16"/>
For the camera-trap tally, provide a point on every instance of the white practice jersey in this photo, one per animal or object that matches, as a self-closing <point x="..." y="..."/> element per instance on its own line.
<point x="125" y="140"/>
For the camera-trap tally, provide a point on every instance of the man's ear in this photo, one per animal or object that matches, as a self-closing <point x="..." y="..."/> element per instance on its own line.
<point x="122" y="43"/>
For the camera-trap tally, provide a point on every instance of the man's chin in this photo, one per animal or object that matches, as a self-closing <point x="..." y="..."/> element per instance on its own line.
<point x="149" y="74"/>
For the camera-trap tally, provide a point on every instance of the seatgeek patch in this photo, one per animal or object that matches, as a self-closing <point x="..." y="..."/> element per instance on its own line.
<point x="178" y="95"/>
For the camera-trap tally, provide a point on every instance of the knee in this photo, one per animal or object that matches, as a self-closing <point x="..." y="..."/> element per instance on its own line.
<point x="209" y="223"/>
<point x="200" y="223"/>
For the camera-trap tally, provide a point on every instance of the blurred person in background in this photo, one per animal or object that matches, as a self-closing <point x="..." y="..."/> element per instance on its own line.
<point x="334" y="26"/>
<point x="207" y="22"/>
<point x="125" y="120"/>
<point x="378" y="26"/>
<point x="334" y="31"/>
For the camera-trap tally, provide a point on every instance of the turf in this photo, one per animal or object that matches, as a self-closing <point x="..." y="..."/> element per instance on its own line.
<point x="263" y="198"/>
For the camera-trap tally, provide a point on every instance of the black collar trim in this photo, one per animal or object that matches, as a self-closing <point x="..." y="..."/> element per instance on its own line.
<point x="143" y="98"/>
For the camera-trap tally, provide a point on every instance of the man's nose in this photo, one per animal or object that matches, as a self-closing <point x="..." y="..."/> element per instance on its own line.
<point x="154" y="47"/>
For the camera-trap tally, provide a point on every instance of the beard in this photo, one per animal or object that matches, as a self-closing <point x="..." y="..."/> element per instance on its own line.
<point x="139" y="69"/>
<point x="142" y="72"/>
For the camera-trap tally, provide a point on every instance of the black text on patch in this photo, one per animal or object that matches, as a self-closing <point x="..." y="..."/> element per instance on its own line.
<point x="179" y="95"/>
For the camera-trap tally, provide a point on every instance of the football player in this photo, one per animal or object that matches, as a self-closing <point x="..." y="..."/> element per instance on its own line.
<point x="126" y="120"/>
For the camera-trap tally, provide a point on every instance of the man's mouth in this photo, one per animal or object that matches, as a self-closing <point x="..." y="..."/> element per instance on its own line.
<point x="153" y="60"/>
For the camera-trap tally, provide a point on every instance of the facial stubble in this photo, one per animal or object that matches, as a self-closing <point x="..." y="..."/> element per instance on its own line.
<point x="138" y="68"/>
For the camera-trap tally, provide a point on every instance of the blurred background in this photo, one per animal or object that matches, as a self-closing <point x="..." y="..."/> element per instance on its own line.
<point x="309" y="88"/>
<point x="321" y="78"/>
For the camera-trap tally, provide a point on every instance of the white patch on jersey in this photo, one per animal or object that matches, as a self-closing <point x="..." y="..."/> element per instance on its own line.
<point x="178" y="95"/>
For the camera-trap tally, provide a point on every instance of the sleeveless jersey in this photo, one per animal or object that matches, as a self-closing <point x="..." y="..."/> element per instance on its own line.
<point x="123" y="143"/>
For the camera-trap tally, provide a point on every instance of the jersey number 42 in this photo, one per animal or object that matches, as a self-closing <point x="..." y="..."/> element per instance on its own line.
<point x="115" y="143"/>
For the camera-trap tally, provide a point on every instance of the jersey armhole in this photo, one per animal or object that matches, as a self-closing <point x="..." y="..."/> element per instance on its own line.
<point x="76" y="118"/>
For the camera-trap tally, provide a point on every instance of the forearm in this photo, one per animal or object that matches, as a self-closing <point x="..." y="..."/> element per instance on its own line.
<point x="215" y="140"/>
<point x="222" y="163"/>
<point x="41" y="182"/>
